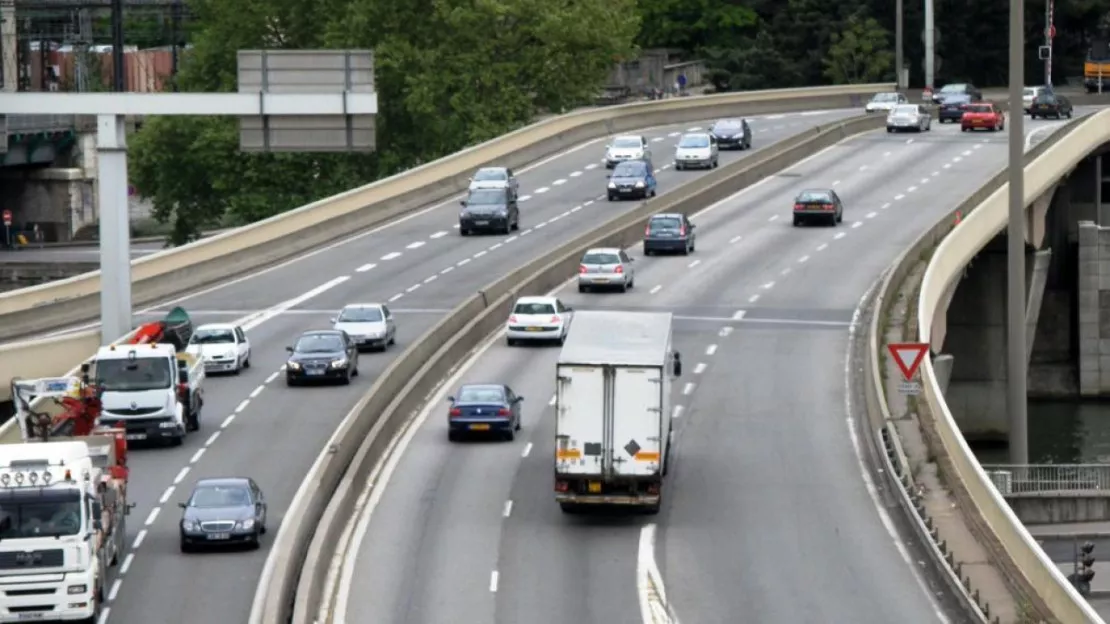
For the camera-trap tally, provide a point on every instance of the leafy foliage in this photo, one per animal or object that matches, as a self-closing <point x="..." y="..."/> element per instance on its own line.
<point x="860" y="54"/>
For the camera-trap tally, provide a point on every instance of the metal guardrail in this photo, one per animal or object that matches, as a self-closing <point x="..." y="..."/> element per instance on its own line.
<point x="1049" y="478"/>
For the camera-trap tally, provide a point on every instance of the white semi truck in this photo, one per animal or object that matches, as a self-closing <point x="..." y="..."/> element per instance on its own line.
<point x="62" y="511"/>
<point x="613" y="410"/>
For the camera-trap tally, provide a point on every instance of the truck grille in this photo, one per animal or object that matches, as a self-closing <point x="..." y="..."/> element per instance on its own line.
<point x="53" y="558"/>
<point x="217" y="527"/>
<point x="136" y="424"/>
<point x="140" y="411"/>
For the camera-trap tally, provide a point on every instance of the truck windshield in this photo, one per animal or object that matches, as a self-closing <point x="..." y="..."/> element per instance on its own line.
<point x="39" y="513"/>
<point x="133" y="375"/>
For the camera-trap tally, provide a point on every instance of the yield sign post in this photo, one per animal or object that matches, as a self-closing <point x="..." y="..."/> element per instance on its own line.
<point x="908" y="356"/>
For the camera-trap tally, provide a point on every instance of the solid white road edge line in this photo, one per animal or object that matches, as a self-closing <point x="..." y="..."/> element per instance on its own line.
<point x="649" y="582"/>
<point x="381" y="473"/>
<point x="868" y="483"/>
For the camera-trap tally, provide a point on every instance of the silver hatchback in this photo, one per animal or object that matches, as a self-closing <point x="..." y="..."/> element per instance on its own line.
<point x="606" y="267"/>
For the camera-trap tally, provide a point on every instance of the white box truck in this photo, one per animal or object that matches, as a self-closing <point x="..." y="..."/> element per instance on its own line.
<point x="613" y="410"/>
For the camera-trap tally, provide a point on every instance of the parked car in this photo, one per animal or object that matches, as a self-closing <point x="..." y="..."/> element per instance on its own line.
<point x="484" y="408"/>
<point x="983" y="115"/>
<point x="669" y="232"/>
<point x="697" y="149"/>
<point x="633" y="179"/>
<point x="1051" y="105"/>
<point x="912" y="117"/>
<point x="606" y="267"/>
<point x="818" y="205"/>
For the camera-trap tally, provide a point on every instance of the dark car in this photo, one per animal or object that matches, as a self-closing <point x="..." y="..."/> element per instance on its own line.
<point x="732" y="134"/>
<point x="952" y="107"/>
<point x="632" y="179"/>
<point x="818" y="205"/>
<point x="322" y="355"/>
<point x="1051" y="105"/>
<point x="484" y="408"/>
<point x="223" y="511"/>
<point x="489" y="210"/>
<point x="669" y="232"/>
<point x="958" y="88"/>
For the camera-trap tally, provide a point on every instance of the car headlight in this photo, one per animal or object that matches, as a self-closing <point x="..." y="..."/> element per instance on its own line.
<point x="639" y="185"/>
<point x="293" y="365"/>
<point x="612" y="185"/>
<point x="77" y="589"/>
<point x="247" y="524"/>
<point x="189" y="525"/>
<point x="340" y="363"/>
<point x="501" y="212"/>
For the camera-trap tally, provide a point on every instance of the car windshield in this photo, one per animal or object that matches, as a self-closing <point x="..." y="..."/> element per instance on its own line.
<point x="629" y="170"/>
<point x="885" y="97"/>
<point x="123" y="375"/>
<point x="662" y="224"/>
<point x="979" y="108"/>
<point x="480" y="394"/>
<point x="488" y="197"/>
<point x="40" y="513"/>
<point x="319" y="343"/>
<point x="726" y="127"/>
<point x="953" y="88"/>
<point x="601" y="257"/>
<point x="220" y="496"/>
<point x="626" y="142"/>
<point x="534" y="308"/>
<point x="485" y="175"/>
<point x="360" y="315"/>
<point x="213" y="336"/>
<point x="694" y="140"/>
<point x="814" y="197"/>
<point x="905" y="110"/>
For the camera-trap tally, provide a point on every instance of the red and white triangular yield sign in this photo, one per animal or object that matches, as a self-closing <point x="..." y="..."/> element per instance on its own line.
<point x="908" y="356"/>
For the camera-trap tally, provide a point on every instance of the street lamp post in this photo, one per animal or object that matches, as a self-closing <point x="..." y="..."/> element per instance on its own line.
<point x="1016" y="396"/>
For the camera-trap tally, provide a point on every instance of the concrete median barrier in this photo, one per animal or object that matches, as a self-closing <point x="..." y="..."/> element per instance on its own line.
<point x="948" y="247"/>
<point x="305" y="548"/>
<point x="30" y="311"/>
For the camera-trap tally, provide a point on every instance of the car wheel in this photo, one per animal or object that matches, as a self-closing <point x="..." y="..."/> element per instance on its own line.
<point x="256" y="542"/>
<point x="1069" y="114"/>
<point x="452" y="436"/>
<point x="569" y="508"/>
<point x="238" y="368"/>
<point x="354" y="373"/>
<point x="611" y="198"/>
<point x="509" y="435"/>
<point x="518" y="425"/>
<point x="289" y="382"/>
<point x="346" y="381"/>
<point x="686" y="250"/>
<point x="889" y="129"/>
<point x="185" y="547"/>
<point x="623" y="287"/>
<point x="839" y="217"/>
<point x="648" y="252"/>
<point x="582" y="288"/>
<point x="464" y="232"/>
<point x="247" y="361"/>
<point x="511" y="342"/>
<point x="632" y="283"/>
<point x="677" y="167"/>
<point x="1032" y="116"/>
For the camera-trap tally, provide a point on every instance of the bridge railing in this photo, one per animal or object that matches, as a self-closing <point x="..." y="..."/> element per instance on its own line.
<point x="1044" y="478"/>
<point x="22" y="124"/>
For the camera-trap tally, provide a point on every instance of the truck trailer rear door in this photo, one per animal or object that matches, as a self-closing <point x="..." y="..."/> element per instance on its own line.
<point x="580" y="420"/>
<point x="636" y="424"/>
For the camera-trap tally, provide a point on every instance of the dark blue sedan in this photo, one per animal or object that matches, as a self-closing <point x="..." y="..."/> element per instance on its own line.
<point x="484" y="408"/>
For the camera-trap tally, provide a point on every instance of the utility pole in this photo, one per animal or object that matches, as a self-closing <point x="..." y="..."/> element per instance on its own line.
<point x="1016" y="395"/>
<point x="930" y="40"/>
<point x="1049" y="35"/>
<point x="899" y="60"/>
<point x="119" y="82"/>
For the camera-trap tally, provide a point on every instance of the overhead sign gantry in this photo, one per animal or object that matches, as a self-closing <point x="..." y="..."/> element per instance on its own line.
<point x="287" y="101"/>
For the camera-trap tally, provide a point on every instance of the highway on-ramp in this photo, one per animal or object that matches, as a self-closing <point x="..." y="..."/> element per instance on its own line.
<point x="769" y="512"/>
<point x="253" y="425"/>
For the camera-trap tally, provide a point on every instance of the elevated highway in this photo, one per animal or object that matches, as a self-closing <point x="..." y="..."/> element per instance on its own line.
<point x="254" y="424"/>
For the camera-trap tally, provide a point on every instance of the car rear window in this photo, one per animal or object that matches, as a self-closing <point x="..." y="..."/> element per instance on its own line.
<point x="480" y="394"/>
<point x="486" y="175"/>
<point x="661" y="224"/>
<point x="979" y="108"/>
<point x="534" y="308"/>
<point x="814" y="198"/>
<point x="905" y="110"/>
<point x="1046" y="98"/>
<point x="601" y="258"/>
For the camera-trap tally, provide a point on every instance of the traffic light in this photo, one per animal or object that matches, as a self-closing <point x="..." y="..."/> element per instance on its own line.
<point x="1084" y="572"/>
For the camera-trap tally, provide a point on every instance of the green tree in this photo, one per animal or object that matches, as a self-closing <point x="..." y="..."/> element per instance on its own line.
<point x="693" y="25"/>
<point x="860" y="53"/>
<point x="755" y="64"/>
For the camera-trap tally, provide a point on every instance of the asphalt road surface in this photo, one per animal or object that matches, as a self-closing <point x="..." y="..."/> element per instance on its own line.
<point x="254" y="425"/>
<point x="767" y="517"/>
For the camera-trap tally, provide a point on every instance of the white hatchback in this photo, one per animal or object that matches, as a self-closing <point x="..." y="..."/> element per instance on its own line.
<point x="223" y="347"/>
<point x="698" y="149"/>
<point x="538" y="319"/>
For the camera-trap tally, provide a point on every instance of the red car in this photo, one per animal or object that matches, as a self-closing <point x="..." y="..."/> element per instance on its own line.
<point x="982" y="115"/>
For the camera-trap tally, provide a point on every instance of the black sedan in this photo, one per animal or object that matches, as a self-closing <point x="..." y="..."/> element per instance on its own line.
<point x="952" y="107"/>
<point x="732" y="134"/>
<point x="1050" y="105"/>
<point x="818" y="205"/>
<point x="489" y="210"/>
<point x="484" y="408"/>
<point x="322" y="355"/>
<point x="223" y="511"/>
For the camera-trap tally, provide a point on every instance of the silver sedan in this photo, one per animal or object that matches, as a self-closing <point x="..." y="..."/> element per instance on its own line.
<point x="911" y="117"/>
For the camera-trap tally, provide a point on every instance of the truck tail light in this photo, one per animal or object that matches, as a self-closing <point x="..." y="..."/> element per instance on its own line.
<point x="561" y="486"/>
<point x="619" y="270"/>
<point x="504" y="411"/>
<point x="653" y="489"/>
<point x="455" y="412"/>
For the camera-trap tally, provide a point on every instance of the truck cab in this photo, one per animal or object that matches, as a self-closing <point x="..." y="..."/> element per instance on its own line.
<point x="61" y="528"/>
<point x="152" y="389"/>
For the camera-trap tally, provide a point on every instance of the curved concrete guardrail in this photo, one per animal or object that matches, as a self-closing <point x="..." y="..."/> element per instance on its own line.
<point x="29" y="311"/>
<point x="295" y="577"/>
<point x="985" y="214"/>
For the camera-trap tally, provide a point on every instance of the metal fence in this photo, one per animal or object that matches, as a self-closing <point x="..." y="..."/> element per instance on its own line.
<point x="1050" y="478"/>
<point x="39" y="123"/>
